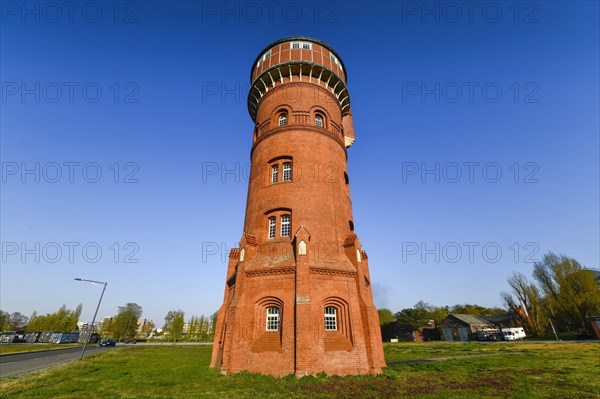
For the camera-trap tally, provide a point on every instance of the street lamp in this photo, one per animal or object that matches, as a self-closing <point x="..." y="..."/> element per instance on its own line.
<point x="95" y="313"/>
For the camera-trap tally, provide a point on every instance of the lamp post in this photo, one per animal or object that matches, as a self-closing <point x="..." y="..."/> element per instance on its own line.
<point x="95" y="313"/>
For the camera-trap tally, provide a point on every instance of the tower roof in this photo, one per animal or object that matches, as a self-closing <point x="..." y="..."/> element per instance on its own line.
<point x="299" y="38"/>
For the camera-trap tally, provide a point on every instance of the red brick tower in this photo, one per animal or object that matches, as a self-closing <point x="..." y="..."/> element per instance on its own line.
<point x="298" y="293"/>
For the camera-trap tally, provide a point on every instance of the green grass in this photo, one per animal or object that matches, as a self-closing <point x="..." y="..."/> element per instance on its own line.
<point x="19" y="348"/>
<point x="520" y="370"/>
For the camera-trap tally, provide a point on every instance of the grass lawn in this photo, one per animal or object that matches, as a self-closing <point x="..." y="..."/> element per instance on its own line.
<point x="520" y="370"/>
<point x="19" y="348"/>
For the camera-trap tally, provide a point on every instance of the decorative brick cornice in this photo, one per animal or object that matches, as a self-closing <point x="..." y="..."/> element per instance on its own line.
<point x="283" y="129"/>
<point x="349" y="241"/>
<point x="251" y="239"/>
<point x="332" y="272"/>
<point x="286" y="85"/>
<point x="262" y="86"/>
<point x="269" y="272"/>
<point x="234" y="253"/>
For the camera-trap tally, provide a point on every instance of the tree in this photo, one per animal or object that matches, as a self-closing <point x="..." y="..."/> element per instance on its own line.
<point x="3" y="320"/>
<point x="410" y="319"/>
<point x="203" y="328"/>
<point x="125" y="324"/>
<point x="565" y="292"/>
<point x="438" y="314"/>
<point x="476" y="310"/>
<point x="385" y="316"/>
<point x="106" y="328"/>
<point x="419" y="315"/>
<point x="388" y="324"/>
<point x="174" y="323"/>
<point x="192" y="330"/>
<point x="213" y="326"/>
<point x="147" y="329"/>
<point x="571" y="293"/>
<point x="413" y="318"/>
<point x="13" y="322"/>
<point x="528" y="297"/>
<point x="63" y="320"/>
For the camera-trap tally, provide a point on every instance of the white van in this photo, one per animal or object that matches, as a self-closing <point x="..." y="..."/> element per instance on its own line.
<point x="513" y="333"/>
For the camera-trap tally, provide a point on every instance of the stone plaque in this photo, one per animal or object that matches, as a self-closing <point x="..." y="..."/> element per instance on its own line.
<point x="302" y="299"/>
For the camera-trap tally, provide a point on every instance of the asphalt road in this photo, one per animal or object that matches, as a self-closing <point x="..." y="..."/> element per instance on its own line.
<point x="18" y="363"/>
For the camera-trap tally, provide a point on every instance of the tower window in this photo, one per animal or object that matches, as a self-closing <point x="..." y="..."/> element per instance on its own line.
<point x="272" y="319"/>
<point x="274" y="173"/>
<point x="318" y="121"/>
<point x="351" y="224"/>
<point x="285" y="225"/>
<point x="272" y="224"/>
<point x="346" y="180"/>
<point x="287" y="171"/>
<point x="330" y="318"/>
<point x="265" y="57"/>
<point x="283" y="119"/>
<point x="303" y="45"/>
<point x="335" y="61"/>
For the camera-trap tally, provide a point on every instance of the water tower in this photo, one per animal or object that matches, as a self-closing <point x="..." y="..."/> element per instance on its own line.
<point x="298" y="291"/>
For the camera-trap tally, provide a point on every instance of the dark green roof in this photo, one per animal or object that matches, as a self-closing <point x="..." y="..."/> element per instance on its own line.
<point x="499" y="318"/>
<point x="469" y="319"/>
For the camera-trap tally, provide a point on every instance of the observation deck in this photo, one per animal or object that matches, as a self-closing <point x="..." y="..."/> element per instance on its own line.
<point x="298" y="59"/>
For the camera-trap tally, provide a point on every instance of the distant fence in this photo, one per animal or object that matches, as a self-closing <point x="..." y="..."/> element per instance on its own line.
<point x="48" y="337"/>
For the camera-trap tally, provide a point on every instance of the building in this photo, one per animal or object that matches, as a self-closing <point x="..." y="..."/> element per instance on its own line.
<point x="82" y="326"/>
<point x="427" y="333"/>
<point x="298" y="291"/>
<point x="462" y="327"/>
<point x="141" y="324"/>
<point x="503" y="320"/>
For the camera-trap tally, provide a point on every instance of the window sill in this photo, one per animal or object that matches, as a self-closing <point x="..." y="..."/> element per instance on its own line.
<point x="281" y="182"/>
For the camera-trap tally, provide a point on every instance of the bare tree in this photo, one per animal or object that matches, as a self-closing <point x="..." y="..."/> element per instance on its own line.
<point x="527" y="295"/>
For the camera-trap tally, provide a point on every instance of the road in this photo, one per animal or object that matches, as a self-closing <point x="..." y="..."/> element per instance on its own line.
<point x="18" y="363"/>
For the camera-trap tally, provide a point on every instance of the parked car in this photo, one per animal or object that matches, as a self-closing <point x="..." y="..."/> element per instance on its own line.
<point x="107" y="342"/>
<point x="488" y="334"/>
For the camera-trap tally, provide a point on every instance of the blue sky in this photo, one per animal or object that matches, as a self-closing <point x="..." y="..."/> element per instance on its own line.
<point x="121" y="113"/>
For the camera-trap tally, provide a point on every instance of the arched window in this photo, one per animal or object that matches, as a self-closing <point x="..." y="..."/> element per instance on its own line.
<point x="272" y="224"/>
<point x="337" y="334"/>
<point x="346" y="180"/>
<point x="351" y="224"/>
<point x="283" y="119"/>
<point x="302" y="248"/>
<point x="330" y="318"/>
<point x="287" y="171"/>
<point x="318" y="120"/>
<point x="274" y="173"/>
<point x="272" y="319"/>
<point x="285" y="225"/>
